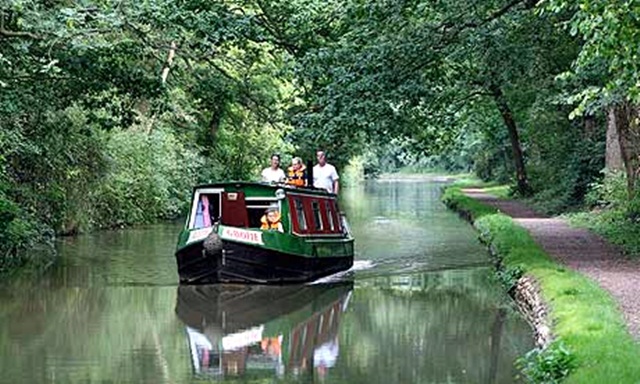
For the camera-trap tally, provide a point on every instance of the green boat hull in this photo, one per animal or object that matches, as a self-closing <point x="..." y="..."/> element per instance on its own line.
<point x="246" y="263"/>
<point x="244" y="254"/>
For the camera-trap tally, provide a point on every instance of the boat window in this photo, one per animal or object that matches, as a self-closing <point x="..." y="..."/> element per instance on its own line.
<point x="256" y="209"/>
<point x="302" y="223"/>
<point x="317" y="219"/>
<point x="329" y="211"/>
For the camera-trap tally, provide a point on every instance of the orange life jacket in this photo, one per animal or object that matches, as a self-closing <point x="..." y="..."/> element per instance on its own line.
<point x="297" y="177"/>
<point x="266" y="224"/>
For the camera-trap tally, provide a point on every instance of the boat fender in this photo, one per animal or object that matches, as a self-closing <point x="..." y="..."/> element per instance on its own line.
<point x="213" y="244"/>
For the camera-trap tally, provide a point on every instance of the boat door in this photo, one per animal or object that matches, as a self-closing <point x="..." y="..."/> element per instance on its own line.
<point x="235" y="209"/>
<point x="206" y="209"/>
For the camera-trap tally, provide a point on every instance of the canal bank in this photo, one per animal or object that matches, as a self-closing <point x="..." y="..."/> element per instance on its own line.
<point x="579" y="327"/>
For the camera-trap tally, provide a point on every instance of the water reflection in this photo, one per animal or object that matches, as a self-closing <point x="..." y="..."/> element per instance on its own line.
<point x="240" y="330"/>
<point x="440" y="327"/>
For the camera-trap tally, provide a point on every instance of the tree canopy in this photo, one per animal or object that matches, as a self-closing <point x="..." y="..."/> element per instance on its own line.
<point x="107" y="107"/>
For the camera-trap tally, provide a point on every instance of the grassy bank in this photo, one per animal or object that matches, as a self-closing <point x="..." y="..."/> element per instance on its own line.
<point x="585" y="318"/>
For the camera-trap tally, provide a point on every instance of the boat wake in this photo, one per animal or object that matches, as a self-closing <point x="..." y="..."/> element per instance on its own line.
<point x="358" y="265"/>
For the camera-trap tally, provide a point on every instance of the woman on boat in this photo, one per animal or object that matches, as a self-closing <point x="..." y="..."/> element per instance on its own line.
<point x="297" y="173"/>
<point x="271" y="220"/>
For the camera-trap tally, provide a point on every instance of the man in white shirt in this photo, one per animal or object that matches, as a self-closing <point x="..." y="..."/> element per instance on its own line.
<point x="325" y="175"/>
<point x="274" y="174"/>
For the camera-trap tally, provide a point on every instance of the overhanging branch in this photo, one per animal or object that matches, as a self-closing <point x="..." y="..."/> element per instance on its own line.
<point x="5" y="33"/>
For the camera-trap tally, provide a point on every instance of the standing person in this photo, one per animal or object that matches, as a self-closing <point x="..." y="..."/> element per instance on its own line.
<point x="325" y="175"/>
<point x="297" y="173"/>
<point x="273" y="174"/>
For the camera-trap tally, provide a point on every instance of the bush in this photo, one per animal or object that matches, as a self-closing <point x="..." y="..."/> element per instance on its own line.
<point x="150" y="177"/>
<point x="547" y="365"/>
<point x="610" y="192"/>
<point x="614" y="216"/>
<point x="353" y="174"/>
<point x="18" y="233"/>
<point x="509" y="276"/>
<point x="22" y="225"/>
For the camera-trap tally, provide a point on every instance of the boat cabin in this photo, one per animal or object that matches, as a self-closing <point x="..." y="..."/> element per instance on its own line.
<point x="303" y="211"/>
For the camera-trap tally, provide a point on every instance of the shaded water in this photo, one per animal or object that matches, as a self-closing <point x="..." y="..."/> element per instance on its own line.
<point x="420" y="307"/>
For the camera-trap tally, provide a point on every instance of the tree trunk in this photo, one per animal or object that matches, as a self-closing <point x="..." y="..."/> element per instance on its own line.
<point x="214" y="122"/>
<point x="628" y="129"/>
<point x="613" y="155"/>
<point x="521" y="174"/>
<point x="590" y="126"/>
<point x="167" y="67"/>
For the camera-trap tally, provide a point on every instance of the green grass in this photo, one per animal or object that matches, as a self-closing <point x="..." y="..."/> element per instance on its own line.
<point x="501" y="191"/>
<point x="584" y="316"/>
<point x="470" y="208"/>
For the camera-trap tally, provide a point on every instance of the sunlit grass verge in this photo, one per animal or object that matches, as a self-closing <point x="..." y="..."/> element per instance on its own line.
<point x="584" y="317"/>
<point x="465" y="205"/>
<point x="467" y="180"/>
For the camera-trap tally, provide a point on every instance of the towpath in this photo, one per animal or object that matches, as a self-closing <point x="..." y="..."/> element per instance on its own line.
<point x="580" y="250"/>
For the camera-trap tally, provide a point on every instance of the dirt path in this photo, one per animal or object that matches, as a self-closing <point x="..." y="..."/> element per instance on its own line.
<point x="580" y="250"/>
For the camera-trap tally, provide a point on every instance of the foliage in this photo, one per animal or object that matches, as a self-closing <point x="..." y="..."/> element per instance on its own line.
<point x="403" y="156"/>
<point x="149" y="178"/>
<point x="611" y="215"/>
<point x="613" y="225"/>
<point x="608" y="193"/>
<point x="547" y="365"/>
<point x="353" y="174"/>
<point x="240" y="151"/>
<point x="101" y="129"/>
<point x="606" y="68"/>
<point x="19" y="233"/>
<point x="508" y="277"/>
<point x="564" y="163"/>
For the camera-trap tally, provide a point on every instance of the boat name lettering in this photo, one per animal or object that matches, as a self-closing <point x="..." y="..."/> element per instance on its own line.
<point x="199" y="234"/>
<point x="242" y="235"/>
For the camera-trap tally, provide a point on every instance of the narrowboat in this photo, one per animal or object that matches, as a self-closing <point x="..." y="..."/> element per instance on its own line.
<point x="262" y="331"/>
<point x="228" y="236"/>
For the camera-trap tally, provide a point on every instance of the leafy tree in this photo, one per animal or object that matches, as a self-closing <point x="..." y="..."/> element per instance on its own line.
<point x="605" y="72"/>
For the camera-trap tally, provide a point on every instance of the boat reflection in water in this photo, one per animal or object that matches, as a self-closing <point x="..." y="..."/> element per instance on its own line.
<point x="260" y="330"/>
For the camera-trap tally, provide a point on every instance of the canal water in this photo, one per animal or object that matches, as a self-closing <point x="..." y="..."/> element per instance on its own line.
<point x="420" y="306"/>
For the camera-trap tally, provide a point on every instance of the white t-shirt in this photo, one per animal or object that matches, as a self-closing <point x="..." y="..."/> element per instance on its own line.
<point x="323" y="177"/>
<point x="273" y="176"/>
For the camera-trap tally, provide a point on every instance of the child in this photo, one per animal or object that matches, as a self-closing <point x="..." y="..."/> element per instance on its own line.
<point x="271" y="220"/>
<point x="297" y="173"/>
